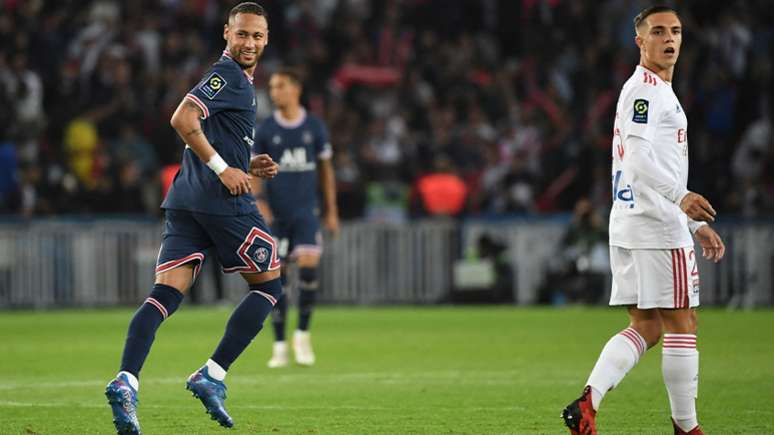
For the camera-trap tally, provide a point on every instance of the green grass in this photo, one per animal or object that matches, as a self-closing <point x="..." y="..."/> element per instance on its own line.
<point x="395" y="370"/>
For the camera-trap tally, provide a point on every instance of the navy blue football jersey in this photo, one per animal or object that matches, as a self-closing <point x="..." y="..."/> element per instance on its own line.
<point x="296" y="147"/>
<point x="226" y="97"/>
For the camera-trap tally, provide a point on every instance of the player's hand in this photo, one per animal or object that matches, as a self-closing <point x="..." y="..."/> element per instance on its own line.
<point x="263" y="166"/>
<point x="697" y="208"/>
<point x="236" y="181"/>
<point x="331" y="223"/>
<point x="712" y="247"/>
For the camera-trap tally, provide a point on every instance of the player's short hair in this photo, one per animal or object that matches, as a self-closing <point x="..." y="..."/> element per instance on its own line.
<point x="291" y="73"/>
<point x="642" y="16"/>
<point x="247" y="8"/>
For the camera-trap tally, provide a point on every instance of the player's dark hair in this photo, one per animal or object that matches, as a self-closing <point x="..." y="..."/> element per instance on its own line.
<point x="291" y="73"/>
<point x="247" y="8"/>
<point x="642" y="16"/>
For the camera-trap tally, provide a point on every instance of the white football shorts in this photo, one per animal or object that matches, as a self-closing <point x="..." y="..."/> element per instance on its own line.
<point x="654" y="278"/>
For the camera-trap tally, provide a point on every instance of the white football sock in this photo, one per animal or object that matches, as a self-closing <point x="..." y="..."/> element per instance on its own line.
<point x="215" y="370"/>
<point x="620" y="354"/>
<point x="133" y="381"/>
<point x="680" y="367"/>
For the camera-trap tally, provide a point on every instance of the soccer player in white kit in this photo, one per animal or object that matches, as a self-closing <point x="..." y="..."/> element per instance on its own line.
<point x="652" y="218"/>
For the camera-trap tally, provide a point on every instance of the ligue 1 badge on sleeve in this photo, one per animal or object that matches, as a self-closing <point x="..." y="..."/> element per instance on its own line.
<point x="213" y="85"/>
<point x="640" y="111"/>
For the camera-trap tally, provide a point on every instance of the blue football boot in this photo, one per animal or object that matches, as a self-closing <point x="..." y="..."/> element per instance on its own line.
<point x="212" y="393"/>
<point x="123" y="401"/>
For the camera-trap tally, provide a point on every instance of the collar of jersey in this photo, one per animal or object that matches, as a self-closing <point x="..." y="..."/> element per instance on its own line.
<point x="228" y="55"/>
<point x="639" y="65"/>
<point x="289" y="124"/>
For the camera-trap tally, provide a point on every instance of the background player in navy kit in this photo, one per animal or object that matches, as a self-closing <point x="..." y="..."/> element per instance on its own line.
<point x="299" y="142"/>
<point x="210" y="205"/>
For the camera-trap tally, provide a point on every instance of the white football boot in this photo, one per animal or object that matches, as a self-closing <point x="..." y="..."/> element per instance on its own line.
<point x="302" y="348"/>
<point x="279" y="355"/>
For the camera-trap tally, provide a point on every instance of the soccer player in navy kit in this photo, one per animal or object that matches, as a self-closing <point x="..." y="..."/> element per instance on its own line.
<point x="299" y="142"/>
<point x="210" y="205"/>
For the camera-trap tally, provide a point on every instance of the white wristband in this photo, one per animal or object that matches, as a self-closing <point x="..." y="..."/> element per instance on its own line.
<point x="217" y="164"/>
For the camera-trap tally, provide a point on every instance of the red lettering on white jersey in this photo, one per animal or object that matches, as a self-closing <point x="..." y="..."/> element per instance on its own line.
<point x="648" y="78"/>
<point x="682" y="136"/>
<point x="619" y="147"/>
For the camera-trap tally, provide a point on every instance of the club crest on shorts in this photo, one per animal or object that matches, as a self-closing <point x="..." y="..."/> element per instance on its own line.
<point x="640" y="111"/>
<point x="213" y="85"/>
<point x="261" y="254"/>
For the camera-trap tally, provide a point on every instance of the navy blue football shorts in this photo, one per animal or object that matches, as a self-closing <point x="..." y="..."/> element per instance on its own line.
<point x="299" y="235"/>
<point x="242" y="243"/>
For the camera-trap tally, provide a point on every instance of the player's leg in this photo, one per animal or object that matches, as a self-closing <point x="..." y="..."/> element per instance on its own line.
<point x="619" y="355"/>
<point x="279" y="315"/>
<point x="244" y="245"/>
<point x="671" y="284"/>
<point x="622" y="351"/>
<point x="680" y="367"/>
<point x="179" y="260"/>
<point x="161" y="303"/>
<point x="679" y="355"/>
<point x="306" y="251"/>
<point x="280" y="355"/>
<point x="308" y="284"/>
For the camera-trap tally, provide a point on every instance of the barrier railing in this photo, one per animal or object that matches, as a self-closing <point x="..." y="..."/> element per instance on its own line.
<point x="109" y="262"/>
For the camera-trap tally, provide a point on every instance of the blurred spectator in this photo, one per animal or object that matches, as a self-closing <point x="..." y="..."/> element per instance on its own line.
<point x="9" y="177"/>
<point x="497" y="251"/>
<point x="578" y="270"/>
<point x="349" y="190"/>
<point x="440" y="192"/>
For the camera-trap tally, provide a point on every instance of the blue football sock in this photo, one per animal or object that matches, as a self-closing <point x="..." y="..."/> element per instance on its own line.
<point x="246" y="321"/>
<point x="160" y="304"/>
<point x="307" y="295"/>
<point x="278" y="316"/>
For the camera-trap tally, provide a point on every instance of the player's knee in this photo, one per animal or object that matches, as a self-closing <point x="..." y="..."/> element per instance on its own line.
<point x="307" y="277"/>
<point x="694" y="322"/>
<point x="682" y="321"/>
<point x="650" y="330"/>
<point x="263" y="277"/>
<point x="180" y="278"/>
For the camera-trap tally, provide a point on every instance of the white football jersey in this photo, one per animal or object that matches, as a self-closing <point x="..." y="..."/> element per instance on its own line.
<point x="641" y="217"/>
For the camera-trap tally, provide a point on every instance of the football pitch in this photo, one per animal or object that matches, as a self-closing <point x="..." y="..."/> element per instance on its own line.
<point x="387" y="370"/>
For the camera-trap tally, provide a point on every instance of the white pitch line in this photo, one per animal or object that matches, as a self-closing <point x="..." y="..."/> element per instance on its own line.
<point x="260" y="407"/>
<point x="389" y="378"/>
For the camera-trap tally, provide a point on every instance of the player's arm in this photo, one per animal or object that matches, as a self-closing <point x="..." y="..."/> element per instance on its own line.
<point x="643" y="164"/>
<point x="187" y="123"/>
<point x="328" y="185"/>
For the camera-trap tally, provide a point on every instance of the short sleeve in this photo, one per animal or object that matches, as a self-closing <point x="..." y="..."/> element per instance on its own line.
<point x="323" y="147"/>
<point x="641" y="112"/>
<point x="217" y="91"/>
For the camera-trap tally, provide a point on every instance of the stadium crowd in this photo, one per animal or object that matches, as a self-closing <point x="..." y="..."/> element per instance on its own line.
<point x="511" y="101"/>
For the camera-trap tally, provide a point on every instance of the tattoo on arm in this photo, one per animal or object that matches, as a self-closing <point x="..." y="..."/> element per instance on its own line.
<point x="187" y="104"/>
<point x="191" y="107"/>
<point x="194" y="132"/>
